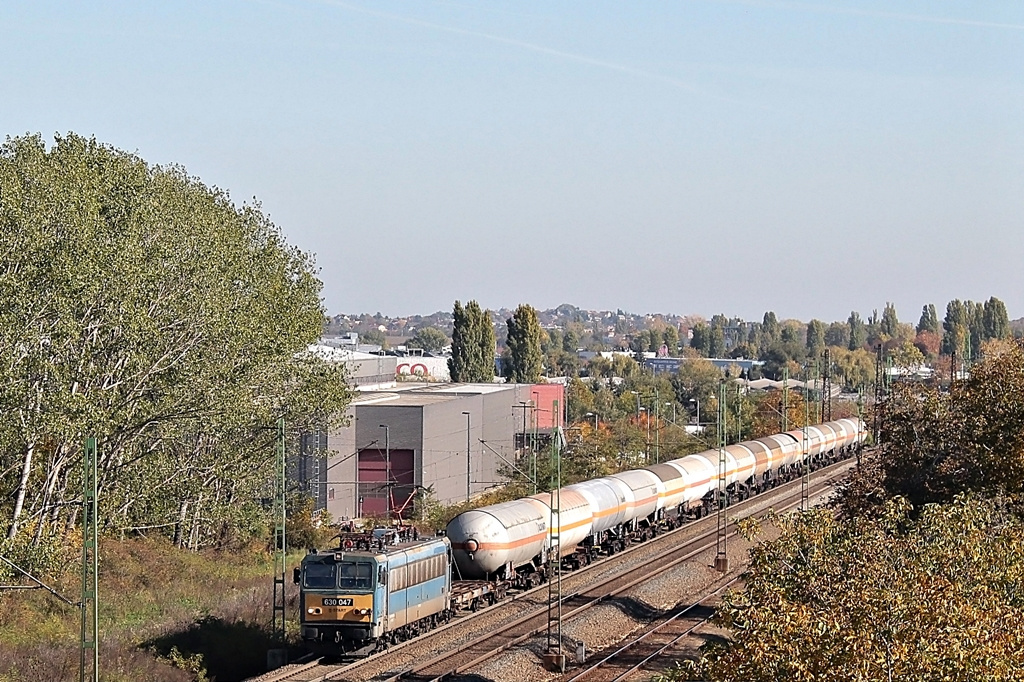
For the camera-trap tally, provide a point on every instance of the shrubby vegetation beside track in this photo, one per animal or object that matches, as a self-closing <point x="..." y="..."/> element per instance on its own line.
<point x="920" y="574"/>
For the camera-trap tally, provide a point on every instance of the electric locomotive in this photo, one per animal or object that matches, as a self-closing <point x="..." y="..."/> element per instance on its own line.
<point x="376" y="588"/>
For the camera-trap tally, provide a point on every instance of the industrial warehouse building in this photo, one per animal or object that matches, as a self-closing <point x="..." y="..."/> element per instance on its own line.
<point x="448" y="438"/>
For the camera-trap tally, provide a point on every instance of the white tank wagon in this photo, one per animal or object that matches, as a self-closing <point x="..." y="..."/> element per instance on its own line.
<point x="509" y="541"/>
<point x="855" y="430"/>
<point x="810" y="441"/>
<point x="506" y="541"/>
<point x="702" y="475"/>
<point x="647" y="490"/>
<point x="676" y="481"/>
<point x="611" y="504"/>
<point x="747" y="477"/>
<point x="572" y="523"/>
<point x="745" y="462"/>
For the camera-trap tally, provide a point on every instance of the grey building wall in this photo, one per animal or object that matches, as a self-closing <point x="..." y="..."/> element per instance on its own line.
<point x="340" y="475"/>
<point x="431" y="423"/>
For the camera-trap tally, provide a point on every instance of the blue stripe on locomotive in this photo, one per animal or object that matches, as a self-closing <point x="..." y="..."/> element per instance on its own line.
<point x="408" y="604"/>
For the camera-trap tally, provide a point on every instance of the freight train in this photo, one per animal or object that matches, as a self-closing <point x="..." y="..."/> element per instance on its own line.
<point x="386" y="586"/>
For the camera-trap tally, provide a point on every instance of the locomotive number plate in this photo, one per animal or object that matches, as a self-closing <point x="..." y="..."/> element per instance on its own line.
<point x="337" y="602"/>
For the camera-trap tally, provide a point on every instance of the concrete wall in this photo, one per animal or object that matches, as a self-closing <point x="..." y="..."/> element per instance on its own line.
<point x="433" y="426"/>
<point x="341" y="470"/>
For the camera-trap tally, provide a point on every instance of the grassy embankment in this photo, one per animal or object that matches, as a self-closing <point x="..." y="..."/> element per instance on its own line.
<point x="165" y="614"/>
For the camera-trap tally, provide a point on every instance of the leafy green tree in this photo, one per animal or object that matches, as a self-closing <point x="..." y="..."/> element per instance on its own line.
<point x="771" y="331"/>
<point x="716" y="342"/>
<point x="430" y="339"/>
<point x="904" y="596"/>
<point x="956" y="327"/>
<point x="906" y="355"/>
<point x="754" y="335"/>
<point x="149" y="310"/>
<point x="570" y="341"/>
<point x="889" y="324"/>
<point x="929" y="321"/>
<point x="856" y="368"/>
<point x="838" y="335"/>
<point x="671" y="339"/>
<point x="815" y="338"/>
<point x="700" y="340"/>
<point x="697" y="379"/>
<point x="473" y="345"/>
<point x="524" y="357"/>
<point x="654" y="340"/>
<point x="995" y="320"/>
<point x="858" y="334"/>
<point x="936" y="445"/>
<point x="791" y="332"/>
<point x="374" y="337"/>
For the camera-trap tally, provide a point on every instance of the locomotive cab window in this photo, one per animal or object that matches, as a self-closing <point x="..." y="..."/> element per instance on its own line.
<point x="321" y="576"/>
<point x="356" y="575"/>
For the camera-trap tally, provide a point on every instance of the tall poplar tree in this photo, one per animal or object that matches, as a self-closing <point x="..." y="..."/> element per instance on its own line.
<point x="473" y="341"/>
<point x="524" y="356"/>
<point x="815" y="338"/>
<point x="956" y="326"/>
<point x="929" y="321"/>
<point x="858" y="334"/>
<point x="890" y="322"/>
<point x="996" y="320"/>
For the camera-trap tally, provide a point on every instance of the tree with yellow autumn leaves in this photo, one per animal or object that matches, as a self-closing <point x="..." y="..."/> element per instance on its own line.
<point x="918" y="571"/>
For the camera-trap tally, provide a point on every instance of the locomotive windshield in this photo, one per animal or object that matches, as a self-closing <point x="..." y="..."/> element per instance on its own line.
<point x="358" y="575"/>
<point x="321" y="575"/>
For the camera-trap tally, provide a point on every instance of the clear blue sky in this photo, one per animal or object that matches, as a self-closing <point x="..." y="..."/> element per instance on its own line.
<point x="689" y="157"/>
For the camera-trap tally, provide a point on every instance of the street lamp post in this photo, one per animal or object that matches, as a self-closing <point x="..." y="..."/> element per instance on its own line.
<point x="387" y="471"/>
<point x="594" y="415"/>
<point x="697" y="401"/>
<point x="657" y="432"/>
<point x="468" y="480"/>
<point x="647" y="449"/>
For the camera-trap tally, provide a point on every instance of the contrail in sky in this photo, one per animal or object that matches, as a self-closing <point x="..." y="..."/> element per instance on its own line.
<point x="582" y="59"/>
<point x="878" y="14"/>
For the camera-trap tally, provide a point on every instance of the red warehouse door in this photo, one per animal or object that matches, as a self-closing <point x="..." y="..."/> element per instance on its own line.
<point x="373" y="476"/>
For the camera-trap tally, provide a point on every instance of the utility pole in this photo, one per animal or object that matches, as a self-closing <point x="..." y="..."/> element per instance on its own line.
<point x="805" y="479"/>
<point x="468" y="460"/>
<point x="90" y="563"/>
<point x="722" y="550"/>
<point x="657" y="427"/>
<point x="280" y="546"/>
<point x="785" y="399"/>
<point x="387" y="472"/>
<point x="826" y="387"/>
<point x="535" y="439"/>
<point x="554" y="658"/>
<point x="739" y="414"/>
<point x="878" y="394"/>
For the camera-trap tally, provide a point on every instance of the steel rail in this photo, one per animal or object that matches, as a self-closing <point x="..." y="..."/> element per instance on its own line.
<point x="664" y="623"/>
<point x="343" y="670"/>
<point x="517" y="631"/>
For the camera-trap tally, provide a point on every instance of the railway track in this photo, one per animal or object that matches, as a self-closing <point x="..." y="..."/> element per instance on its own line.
<point x="485" y="647"/>
<point x="419" y="660"/>
<point x="653" y="641"/>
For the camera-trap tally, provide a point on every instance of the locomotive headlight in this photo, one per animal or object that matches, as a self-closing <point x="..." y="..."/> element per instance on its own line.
<point x="472" y="545"/>
<point x="313" y="610"/>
